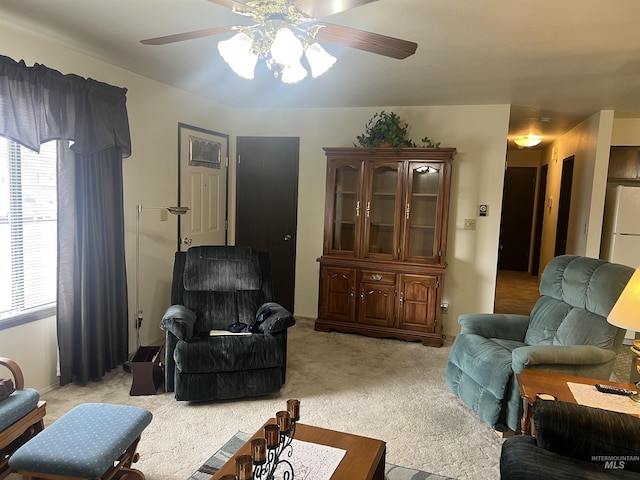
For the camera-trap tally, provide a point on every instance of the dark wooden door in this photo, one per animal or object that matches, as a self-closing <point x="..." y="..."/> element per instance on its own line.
<point x="267" y="205"/>
<point x="564" y="206"/>
<point x="517" y="217"/>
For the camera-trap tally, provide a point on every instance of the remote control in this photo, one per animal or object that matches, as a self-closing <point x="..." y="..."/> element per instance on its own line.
<point x="614" y="390"/>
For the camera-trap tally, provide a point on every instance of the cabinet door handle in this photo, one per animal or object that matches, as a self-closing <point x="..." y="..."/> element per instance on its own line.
<point x="401" y="299"/>
<point x="368" y="208"/>
<point x="362" y="296"/>
<point x="408" y="210"/>
<point x="358" y="208"/>
<point x="376" y="276"/>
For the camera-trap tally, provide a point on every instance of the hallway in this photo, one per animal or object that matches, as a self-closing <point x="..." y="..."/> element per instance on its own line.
<point x="516" y="292"/>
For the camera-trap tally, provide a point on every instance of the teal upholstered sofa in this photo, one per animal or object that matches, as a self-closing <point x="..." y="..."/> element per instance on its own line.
<point x="566" y="332"/>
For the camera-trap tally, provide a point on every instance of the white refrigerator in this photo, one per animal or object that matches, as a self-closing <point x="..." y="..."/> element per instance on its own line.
<point x="621" y="226"/>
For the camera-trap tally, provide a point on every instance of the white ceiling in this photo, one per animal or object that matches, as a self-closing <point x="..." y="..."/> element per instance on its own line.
<point x="556" y="60"/>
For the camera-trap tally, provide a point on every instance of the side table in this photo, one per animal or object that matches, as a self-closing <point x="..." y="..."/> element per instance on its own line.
<point x="538" y="382"/>
<point x="147" y="372"/>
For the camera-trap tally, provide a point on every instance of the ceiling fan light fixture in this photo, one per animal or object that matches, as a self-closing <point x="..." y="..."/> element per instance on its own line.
<point x="319" y="60"/>
<point x="293" y="73"/>
<point x="286" y="49"/>
<point x="527" y="141"/>
<point x="284" y="30"/>
<point x="237" y="52"/>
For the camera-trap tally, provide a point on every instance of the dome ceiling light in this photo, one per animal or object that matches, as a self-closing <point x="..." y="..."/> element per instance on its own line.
<point x="527" y="141"/>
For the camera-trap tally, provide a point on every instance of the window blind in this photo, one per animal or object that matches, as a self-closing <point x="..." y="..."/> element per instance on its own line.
<point x="28" y="229"/>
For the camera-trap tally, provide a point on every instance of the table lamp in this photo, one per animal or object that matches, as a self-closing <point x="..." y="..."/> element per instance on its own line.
<point x="626" y="314"/>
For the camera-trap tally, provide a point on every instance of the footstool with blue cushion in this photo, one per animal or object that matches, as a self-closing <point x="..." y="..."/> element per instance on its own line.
<point x="93" y="440"/>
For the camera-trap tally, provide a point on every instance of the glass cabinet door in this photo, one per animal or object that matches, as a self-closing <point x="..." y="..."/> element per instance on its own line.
<point x="381" y="209"/>
<point x="421" y="211"/>
<point x="346" y="207"/>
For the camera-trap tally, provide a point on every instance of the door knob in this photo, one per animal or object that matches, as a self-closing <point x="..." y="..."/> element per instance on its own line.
<point x="287" y="237"/>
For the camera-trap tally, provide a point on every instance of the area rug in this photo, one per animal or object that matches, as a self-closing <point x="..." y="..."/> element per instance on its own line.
<point x="211" y="466"/>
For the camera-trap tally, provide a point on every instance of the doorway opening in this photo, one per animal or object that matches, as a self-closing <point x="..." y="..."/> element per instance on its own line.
<point x="516" y="288"/>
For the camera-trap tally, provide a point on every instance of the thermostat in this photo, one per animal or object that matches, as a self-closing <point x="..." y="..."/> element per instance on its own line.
<point x="483" y="210"/>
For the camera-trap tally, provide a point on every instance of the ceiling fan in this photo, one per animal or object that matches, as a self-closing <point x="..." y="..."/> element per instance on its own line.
<point x="285" y="29"/>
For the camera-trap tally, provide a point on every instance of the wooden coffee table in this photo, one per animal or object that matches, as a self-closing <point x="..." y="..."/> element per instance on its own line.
<point x="364" y="460"/>
<point x="535" y="382"/>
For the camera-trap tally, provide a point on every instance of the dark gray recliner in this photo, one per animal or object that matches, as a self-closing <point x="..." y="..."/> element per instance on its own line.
<point x="214" y="287"/>
<point x="574" y="442"/>
<point x="566" y="332"/>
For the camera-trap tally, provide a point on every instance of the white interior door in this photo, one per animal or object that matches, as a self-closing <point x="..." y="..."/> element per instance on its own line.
<point x="203" y="186"/>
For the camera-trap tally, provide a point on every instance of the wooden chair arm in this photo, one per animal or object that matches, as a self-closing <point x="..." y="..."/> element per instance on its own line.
<point x="15" y="371"/>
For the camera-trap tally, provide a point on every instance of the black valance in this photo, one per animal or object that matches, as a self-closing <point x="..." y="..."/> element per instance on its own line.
<point x="38" y="104"/>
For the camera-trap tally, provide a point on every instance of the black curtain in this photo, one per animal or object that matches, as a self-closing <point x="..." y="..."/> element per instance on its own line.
<point x="38" y="104"/>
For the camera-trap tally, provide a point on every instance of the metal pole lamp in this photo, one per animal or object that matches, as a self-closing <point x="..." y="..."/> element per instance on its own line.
<point x="138" y="312"/>
<point x="626" y="314"/>
<point x="139" y="208"/>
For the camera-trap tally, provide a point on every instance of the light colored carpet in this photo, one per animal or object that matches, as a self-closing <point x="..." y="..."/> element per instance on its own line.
<point x="386" y="389"/>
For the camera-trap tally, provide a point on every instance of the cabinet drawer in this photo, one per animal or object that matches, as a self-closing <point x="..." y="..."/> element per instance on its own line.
<point x="379" y="277"/>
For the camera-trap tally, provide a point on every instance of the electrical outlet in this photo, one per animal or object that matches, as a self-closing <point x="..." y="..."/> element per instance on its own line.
<point x="469" y="223"/>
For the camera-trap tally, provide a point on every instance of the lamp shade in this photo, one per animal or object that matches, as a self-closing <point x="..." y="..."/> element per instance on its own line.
<point x="626" y="312"/>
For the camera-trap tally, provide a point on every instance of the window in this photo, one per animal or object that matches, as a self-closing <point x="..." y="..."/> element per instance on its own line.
<point x="28" y="233"/>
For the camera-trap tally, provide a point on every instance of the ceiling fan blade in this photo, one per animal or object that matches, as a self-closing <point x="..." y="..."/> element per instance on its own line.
<point x="179" y="37"/>
<point x="324" y="8"/>
<point x="367" y="41"/>
<point x="234" y="5"/>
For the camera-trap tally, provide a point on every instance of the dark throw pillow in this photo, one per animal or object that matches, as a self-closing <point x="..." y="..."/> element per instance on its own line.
<point x="263" y="314"/>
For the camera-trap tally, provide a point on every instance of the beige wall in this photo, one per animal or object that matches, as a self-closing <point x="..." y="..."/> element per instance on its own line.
<point x="626" y="132"/>
<point x="589" y="142"/>
<point x="524" y="158"/>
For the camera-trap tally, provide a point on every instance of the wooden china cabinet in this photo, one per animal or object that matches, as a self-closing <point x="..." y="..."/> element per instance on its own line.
<point x="385" y="236"/>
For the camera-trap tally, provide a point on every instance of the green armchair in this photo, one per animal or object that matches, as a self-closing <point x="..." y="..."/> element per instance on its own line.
<point x="566" y="332"/>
